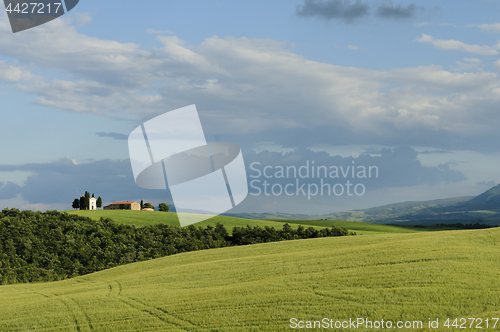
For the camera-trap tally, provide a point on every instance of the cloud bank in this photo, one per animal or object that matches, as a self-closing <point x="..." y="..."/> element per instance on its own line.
<point x="62" y="181"/>
<point x="455" y="45"/>
<point x="251" y="91"/>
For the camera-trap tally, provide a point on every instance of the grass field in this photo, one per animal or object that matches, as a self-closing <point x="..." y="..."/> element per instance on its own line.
<point x="395" y="277"/>
<point x="143" y="218"/>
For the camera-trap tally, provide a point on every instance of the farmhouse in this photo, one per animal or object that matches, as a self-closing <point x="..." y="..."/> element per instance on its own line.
<point x="123" y="206"/>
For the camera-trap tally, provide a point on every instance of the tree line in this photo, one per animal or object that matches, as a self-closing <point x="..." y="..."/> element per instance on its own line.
<point x="162" y="207"/>
<point x="52" y="245"/>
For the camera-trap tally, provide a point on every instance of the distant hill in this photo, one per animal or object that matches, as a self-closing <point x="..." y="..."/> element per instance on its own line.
<point x="489" y="200"/>
<point x="484" y="209"/>
<point x="275" y="215"/>
<point x="378" y="214"/>
<point x="392" y="212"/>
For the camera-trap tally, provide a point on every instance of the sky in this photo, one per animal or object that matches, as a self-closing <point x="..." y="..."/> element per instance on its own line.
<point x="411" y="88"/>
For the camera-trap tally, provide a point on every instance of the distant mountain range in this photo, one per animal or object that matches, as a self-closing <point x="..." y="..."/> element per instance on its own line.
<point x="484" y="209"/>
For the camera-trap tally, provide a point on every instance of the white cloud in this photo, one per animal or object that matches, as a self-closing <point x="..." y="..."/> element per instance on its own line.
<point x="472" y="60"/>
<point x="349" y="47"/>
<point x="82" y="19"/>
<point x="54" y="185"/>
<point x="468" y="64"/>
<point x="457" y="26"/>
<point x="159" y="32"/>
<point x="455" y="45"/>
<point x="12" y="73"/>
<point x="420" y="24"/>
<point x="495" y="28"/>
<point x="496" y="65"/>
<point x="249" y="86"/>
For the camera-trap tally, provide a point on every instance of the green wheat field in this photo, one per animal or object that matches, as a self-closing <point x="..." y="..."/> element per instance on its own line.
<point x="143" y="218"/>
<point x="392" y="276"/>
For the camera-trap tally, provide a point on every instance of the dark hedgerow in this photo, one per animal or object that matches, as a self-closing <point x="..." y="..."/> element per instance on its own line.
<point x="36" y="246"/>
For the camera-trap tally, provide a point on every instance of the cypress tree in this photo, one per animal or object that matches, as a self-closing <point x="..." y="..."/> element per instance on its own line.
<point x="87" y="200"/>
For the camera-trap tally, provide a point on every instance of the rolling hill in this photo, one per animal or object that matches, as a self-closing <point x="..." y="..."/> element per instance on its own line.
<point x="395" y="212"/>
<point x="483" y="209"/>
<point x="489" y="200"/>
<point x="143" y="218"/>
<point x="394" y="277"/>
<point x="377" y="214"/>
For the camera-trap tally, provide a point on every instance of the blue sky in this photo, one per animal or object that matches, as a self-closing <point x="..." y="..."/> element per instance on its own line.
<point x="414" y="86"/>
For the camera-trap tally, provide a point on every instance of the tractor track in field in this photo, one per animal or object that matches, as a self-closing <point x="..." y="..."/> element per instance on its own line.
<point x="112" y="289"/>
<point x="158" y="313"/>
<point x="89" y="321"/>
<point x="81" y="320"/>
